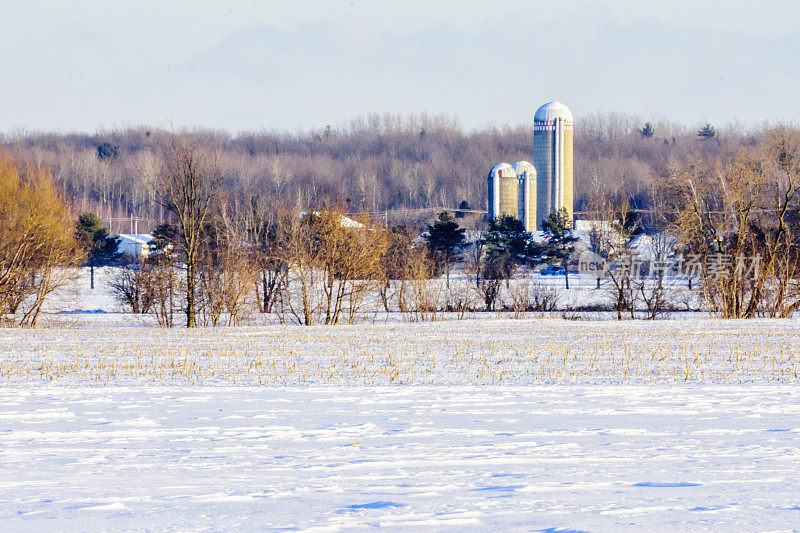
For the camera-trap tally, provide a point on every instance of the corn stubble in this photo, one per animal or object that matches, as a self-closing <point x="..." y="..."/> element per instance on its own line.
<point x="465" y="353"/>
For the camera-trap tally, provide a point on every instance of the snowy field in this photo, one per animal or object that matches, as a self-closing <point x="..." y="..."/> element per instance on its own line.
<point x="459" y="352"/>
<point x="540" y="424"/>
<point x="535" y="458"/>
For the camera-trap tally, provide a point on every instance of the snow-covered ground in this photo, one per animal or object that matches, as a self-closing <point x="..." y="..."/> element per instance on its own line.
<point x="457" y="352"/>
<point x="535" y="458"/>
<point x="540" y="424"/>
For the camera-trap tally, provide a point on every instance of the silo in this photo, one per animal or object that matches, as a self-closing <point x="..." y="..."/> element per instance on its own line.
<point x="526" y="202"/>
<point x="502" y="182"/>
<point x="552" y="157"/>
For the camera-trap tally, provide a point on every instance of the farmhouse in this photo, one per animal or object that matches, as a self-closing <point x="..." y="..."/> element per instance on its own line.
<point x="136" y="245"/>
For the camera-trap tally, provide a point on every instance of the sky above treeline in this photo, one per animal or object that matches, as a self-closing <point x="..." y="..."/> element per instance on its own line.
<point x="295" y="65"/>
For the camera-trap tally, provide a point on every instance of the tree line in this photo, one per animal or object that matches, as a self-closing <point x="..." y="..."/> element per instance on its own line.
<point x="225" y="246"/>
<point x="390" y="166"/>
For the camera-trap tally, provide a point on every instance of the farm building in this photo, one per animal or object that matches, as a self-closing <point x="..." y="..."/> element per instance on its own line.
<point x="136" y="245"/>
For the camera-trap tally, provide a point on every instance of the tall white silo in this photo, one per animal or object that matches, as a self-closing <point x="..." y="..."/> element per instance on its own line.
<point x="552" y="157"/>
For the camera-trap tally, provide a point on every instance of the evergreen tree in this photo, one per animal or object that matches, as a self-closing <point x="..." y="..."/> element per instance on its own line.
<point x="107" y="151"/>
<point x="506" y="245"/>
<point x="647" y="131"/>
<point x="462" y="207"/>
<point x="165" y="238"/>
<point x="445" y="241"/>
<point x="507" y="239"/>
<point x="560" y="242"/>
<point x="93" y="237"/>
<point x="706" y="132"/>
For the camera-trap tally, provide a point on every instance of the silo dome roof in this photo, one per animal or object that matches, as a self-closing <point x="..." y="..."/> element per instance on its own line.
<point x="521" y="167"/>
<point x="504" y="169"/>
<point x="553" y="110"/>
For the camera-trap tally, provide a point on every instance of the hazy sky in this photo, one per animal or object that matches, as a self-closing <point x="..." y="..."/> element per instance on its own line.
<point x="298" y="64"/>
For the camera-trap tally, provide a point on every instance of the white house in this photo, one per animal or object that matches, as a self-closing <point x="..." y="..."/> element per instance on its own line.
<point x="135" y="245"/>
<point x="345" y="222"/>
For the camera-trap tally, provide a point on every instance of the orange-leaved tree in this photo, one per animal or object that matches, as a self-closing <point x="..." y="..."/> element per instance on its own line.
<point x="37" y="241"/>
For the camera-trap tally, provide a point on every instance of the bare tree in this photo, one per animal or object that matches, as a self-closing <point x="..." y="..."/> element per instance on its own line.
<point x="420" y="297"/>
<point x="164" y="288"/>
<point x="264" y="232"/>
<point x="657" y="286"/>
<point x="612" y="238"/>
<point x="781" y="231"/>
<point x="227" y="272"/>
<point x="740" y="220"/>
<point x="654" y="285"/>
<point x="188" y="186"/>
<point x="526" y="295"/>
<point x="721" y="199"/>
